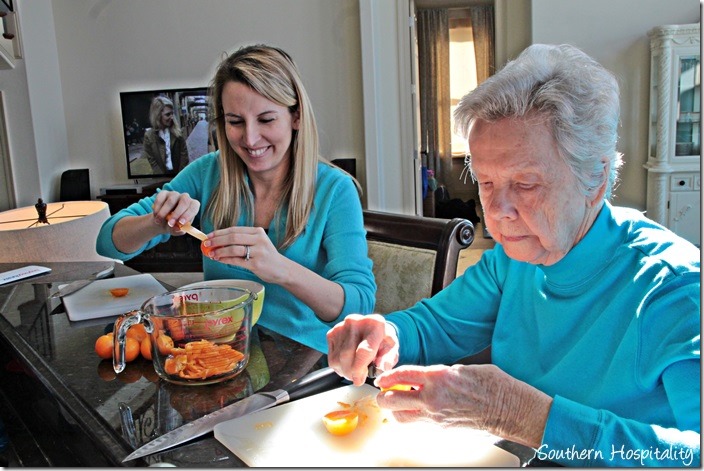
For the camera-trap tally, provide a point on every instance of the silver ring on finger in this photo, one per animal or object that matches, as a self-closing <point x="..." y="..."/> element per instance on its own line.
<point x="246" y="254"/>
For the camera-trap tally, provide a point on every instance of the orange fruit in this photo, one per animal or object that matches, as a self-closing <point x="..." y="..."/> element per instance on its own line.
<point x="170" y="366"/>
<point x="119" y="292"/>
<point x="132" y="348"/>
<point x="341" y="422"/>
<point x="165" y="344"/>
<point x="173" y="365"/>
<point x="145" y="348"/>
<point x="138" y="331"/>
<point x="104" y="345"/>
<point x="207" y="251"/>
<point x="398" y="387"/>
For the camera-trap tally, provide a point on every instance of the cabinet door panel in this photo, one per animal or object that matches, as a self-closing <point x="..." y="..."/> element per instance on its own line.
<point x="685" y="210"/>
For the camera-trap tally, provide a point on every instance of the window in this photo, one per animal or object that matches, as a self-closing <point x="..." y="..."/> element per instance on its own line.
<point x="463" y="69"/>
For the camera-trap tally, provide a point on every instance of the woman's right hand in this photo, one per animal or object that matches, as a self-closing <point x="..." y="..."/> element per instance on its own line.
<point x="359" y="341"/>
<point x="172" y="209"/>
<point x="132" y="232"/>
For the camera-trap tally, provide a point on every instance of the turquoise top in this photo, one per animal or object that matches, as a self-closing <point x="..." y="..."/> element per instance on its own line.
<point x="611" y="332"/>
<point x="333" y="245"/>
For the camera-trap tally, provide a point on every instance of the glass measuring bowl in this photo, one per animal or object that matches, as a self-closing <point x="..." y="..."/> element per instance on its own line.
<point x="198" y="336"/>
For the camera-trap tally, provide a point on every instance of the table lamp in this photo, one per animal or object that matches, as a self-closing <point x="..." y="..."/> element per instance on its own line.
<point x="52" y="232"/>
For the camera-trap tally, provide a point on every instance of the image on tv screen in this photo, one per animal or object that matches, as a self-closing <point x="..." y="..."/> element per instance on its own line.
<point x="183" y="112"/>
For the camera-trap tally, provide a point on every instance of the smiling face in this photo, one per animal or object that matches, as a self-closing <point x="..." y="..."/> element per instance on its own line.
<point x="259" y="130"/>
<point x="532" y="202"/>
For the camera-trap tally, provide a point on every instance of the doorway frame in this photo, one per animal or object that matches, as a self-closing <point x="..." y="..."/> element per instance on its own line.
<point x="393" y="182"/>
<point x="7" y="194"/>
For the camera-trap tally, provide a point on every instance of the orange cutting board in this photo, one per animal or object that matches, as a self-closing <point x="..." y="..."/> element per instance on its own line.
<point x="293" y="435"/>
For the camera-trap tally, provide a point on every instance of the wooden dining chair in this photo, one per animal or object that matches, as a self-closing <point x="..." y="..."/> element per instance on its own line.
<point x="414" y="257"/>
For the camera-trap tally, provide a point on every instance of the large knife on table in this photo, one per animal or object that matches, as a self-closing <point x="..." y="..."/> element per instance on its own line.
<point x="80" y="284"/>
<point x="317" y="381"/>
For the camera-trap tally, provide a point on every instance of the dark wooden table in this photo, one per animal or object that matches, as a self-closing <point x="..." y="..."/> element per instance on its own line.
<point x="64" y="406"/>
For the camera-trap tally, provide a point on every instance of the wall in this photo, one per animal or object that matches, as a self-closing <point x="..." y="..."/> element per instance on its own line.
<point x="107" y="46"/>
<point x="389" y="139"/>
<point x="614" y="33"/>
<point x="24" y="164"/>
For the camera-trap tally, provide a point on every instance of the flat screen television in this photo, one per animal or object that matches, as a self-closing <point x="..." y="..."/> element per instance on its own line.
<point x="191" y="112"/>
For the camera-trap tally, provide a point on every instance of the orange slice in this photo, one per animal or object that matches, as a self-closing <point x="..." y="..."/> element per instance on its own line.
<point x="341" y="422"/>
<point x="398" y="387"/>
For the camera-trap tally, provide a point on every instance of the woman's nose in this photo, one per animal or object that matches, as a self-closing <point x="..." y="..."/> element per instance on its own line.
<point x="251" y="135"/>
<point x="501" y="204"/>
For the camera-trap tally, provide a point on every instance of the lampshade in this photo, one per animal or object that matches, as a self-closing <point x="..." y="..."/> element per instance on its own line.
<point x="68" y="232"/>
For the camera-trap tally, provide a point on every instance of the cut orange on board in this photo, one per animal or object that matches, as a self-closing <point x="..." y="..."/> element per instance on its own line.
<point x="341" y="422"/>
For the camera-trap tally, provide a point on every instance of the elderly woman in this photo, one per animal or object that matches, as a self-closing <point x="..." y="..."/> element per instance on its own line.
<point x="591" y="310"/>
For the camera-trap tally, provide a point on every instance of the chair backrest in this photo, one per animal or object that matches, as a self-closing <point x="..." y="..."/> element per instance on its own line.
<point x="414" y="257"/>
<point x="348" y="165"/>
<point x="75" y="185"/>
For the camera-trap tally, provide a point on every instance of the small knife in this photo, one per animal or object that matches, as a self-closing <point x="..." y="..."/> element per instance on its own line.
<point x="373" y="371"/>
<point x="317" y="381"/>
<point x="187" y="228"/>
<point x="76" y="285"/>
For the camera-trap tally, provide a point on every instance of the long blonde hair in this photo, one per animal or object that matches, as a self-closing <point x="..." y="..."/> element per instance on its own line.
<point x="272" y="73"/>
<point x="158" y="104"/>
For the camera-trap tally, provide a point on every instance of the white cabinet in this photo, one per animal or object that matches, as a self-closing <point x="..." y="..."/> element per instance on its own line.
<point x="674" y="147"/>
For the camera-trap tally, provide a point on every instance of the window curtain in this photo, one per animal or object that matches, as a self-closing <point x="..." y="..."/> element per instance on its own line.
<point x="483" y="36"/>
<point x="434" y="85"/>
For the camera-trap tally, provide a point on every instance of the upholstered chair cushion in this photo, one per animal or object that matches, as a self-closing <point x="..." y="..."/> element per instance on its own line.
<point x="403" y="275"/>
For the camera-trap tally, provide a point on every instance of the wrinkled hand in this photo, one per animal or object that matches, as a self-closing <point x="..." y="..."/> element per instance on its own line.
<point x="359" y="341"/>
<point x="172" y="209"/>
<point x="479" y="396"/>
<point x="231" y="246"/>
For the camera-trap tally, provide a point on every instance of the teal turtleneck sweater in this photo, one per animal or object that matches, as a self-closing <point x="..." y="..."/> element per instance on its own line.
<point x="611" y="332"/>
<point x="333" y="245"/>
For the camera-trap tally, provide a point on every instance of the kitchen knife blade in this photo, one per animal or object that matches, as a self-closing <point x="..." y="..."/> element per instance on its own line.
<point x="187" y="228"/>
<point x="76" y="285"/>
<point x="317" y="381"/>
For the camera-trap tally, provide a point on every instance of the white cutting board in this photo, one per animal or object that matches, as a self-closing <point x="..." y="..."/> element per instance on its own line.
<point x="95" y="301"/>
<point x="293" y="435"/>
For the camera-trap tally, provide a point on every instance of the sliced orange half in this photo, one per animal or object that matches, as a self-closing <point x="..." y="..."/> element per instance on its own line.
<point x="341" y="422"/>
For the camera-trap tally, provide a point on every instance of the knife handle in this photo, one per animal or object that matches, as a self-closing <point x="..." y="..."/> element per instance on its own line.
<point x="313" y="383"/>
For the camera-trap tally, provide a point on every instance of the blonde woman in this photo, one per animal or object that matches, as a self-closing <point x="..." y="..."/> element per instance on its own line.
<point x="164" y="146"/>
<point x="274" y="210"/>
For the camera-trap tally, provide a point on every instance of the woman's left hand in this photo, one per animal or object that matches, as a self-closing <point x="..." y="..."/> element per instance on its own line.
<point x="478" y="396"/>
<point x="250" y="248"/>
